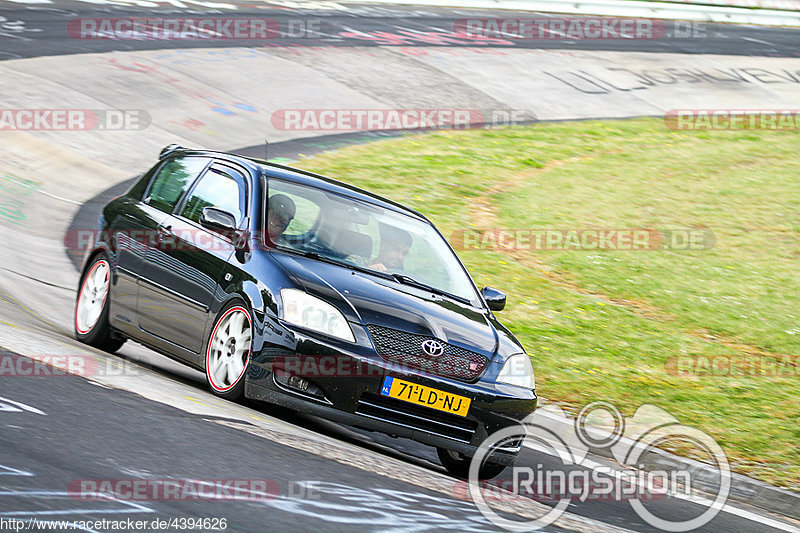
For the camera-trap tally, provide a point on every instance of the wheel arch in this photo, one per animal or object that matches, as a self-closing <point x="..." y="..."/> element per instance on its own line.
<point x="91" y="253"/>
<point x="89" y="258"/>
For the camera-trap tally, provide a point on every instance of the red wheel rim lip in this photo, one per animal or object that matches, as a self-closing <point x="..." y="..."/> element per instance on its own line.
<point x="208" y="351"/>
<point x="80" y="295"/>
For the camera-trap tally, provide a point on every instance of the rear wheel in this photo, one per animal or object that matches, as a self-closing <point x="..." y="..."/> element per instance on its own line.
<point x="91" y="308"/>
<point x="228" y="352"/>
<point x="457" y="465"/>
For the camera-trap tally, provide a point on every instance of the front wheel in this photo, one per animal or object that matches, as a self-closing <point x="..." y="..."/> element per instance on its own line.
<point x="457" y="465"/>
<point x="228" y="352"/>
<point x="91" y="308"/>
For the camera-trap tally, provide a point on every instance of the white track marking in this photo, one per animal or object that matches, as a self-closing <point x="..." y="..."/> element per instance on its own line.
<point x="699" y="500"/>
<point x="759" y="41"/>
<point x="29" y="186"/>
<point x="49" y="494"/>
<point x="8" y="471"/>
<point x="11" y="406"/>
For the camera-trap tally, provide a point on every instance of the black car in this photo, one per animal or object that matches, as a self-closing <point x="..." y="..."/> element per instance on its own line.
<point x="296" y="289"/>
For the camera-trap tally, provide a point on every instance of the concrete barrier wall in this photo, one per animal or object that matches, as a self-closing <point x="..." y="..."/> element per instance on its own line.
<point x="700" y="10"/>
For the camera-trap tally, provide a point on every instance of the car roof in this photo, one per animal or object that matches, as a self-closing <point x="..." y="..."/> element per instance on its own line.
<point x="303" y="177"/>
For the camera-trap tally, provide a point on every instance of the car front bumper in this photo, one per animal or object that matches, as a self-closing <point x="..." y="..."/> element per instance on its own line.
<point x="345" y="386"/>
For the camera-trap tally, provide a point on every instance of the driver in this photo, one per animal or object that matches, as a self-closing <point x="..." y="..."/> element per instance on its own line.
<point x="280" y="212"/>
<point x="394" y="247"/>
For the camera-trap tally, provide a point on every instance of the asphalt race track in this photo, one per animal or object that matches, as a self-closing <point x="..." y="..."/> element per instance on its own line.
<point x="334" y="26"/>
<point x="139" y="416"/>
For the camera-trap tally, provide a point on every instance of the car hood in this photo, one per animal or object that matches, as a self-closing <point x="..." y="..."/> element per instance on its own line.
<point x="368" y="299"/>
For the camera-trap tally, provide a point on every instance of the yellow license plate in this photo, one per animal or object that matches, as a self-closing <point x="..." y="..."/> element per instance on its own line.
<point x="427" y="396"/>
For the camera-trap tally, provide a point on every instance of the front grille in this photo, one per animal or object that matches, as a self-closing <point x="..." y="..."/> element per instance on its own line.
<point x="406" y="349"/>
<point x="416" y="417"/>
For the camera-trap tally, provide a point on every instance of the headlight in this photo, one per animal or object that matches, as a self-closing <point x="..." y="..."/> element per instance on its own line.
<point x="306" y="311"/>
<point x="518" y="371"/>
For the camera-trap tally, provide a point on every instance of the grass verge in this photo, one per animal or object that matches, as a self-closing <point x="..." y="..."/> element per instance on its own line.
<point x="611" y="324"/>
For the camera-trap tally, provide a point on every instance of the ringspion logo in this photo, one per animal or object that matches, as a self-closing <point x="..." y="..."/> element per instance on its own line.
<point x="574" y="476"/>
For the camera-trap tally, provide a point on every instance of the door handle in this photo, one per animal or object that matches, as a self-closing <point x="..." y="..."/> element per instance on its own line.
<point x="163" y="233"/>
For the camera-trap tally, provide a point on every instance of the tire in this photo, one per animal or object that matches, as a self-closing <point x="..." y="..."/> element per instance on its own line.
<point x="91" y="307"/>
<point x="228" y="350"/>
<point x="457" y="465"/>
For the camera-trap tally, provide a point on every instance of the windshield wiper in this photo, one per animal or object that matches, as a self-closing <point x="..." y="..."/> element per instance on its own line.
<point x="320" y="257"/>
<point x="400" y="278"/>
<point x="408" y="280"/>
<point x="339" y="262"/>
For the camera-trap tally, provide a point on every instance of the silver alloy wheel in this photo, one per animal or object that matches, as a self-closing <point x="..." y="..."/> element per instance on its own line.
<point x="92" y="297"/>
<point x="229" y="349"/>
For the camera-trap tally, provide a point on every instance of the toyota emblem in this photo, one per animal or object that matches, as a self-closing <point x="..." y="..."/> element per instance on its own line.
<point x="432" y="347"/>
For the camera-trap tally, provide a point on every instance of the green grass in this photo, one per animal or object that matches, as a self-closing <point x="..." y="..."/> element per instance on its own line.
<point x="602" y="325"/>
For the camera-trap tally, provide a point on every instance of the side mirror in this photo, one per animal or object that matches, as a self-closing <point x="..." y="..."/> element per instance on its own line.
<point x="495" y="299"/>
<point x="217" y="220"/>
<point x="224" y="223"/>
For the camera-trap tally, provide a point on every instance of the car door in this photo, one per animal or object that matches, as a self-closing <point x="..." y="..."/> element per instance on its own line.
<point x="133" y="232"/>
<point x="183" y="271"/>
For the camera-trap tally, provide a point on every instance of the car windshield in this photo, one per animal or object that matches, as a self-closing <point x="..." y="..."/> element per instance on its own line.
<point x="367" y="236"/>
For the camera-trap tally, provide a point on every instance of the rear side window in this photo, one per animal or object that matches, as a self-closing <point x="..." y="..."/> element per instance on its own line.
<point x="220" y="188"/>
<point x="172" y="181"/>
